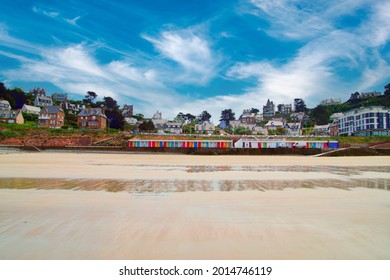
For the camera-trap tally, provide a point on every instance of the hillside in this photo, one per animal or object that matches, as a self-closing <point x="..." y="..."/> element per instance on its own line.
<point x="321" y="114"/>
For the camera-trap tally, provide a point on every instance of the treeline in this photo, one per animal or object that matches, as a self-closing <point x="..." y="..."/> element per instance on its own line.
<point x="318" y="115"/>
<point x="16" y="97"/>
<point x="321" y="114"/>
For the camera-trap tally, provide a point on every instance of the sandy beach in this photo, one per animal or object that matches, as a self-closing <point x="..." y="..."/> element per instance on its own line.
<point x="141" y="206"/>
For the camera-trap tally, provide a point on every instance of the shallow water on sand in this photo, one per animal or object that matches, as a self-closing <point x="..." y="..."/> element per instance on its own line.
<point x="171" y="186"/>
<point x="166" y="185"/>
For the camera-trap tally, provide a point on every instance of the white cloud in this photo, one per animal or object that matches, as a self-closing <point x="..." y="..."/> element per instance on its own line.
<point x="189" y="49"/>
<point x="8" y="41"/>
<point x="314" y="72"/>
<point x="55" y="15"/>
<point x="48" y="13"/>
<point x="75" y="70"/>
<point x="289" y="20"/>
<point x="73" y="21"/>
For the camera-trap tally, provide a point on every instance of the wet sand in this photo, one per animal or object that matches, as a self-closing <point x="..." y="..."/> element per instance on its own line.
<point x="131" y="206"/>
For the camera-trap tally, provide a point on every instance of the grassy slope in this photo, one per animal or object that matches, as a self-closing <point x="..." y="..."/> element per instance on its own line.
<point x="31" y="130"/>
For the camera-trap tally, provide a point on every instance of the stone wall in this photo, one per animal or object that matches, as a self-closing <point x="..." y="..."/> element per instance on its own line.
<point x="48" y="141"/>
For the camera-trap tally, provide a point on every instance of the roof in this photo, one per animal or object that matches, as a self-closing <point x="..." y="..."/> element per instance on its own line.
<point x="325" y="126"/>
<point x="174" y="123"/>
<point x="294" y="125"/>
<point x="43" y="98"/>
<point x="32" y="108"/>
<point x="51" y="109"/>
<point x="157" y="115"/>
<point x="4" y="104"/>
<point x="8" y="114"/>
<point x="92" y="112"/>
<point x="274" y="123"/>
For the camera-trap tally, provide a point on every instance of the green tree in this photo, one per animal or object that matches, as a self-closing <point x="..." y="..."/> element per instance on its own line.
<point x="204" y="116"/>
<point x="240" y="130"/>
<point x="320" y="114"/>
<point x="110" y="103"/>
<point x="299" y="105"/>
<point x="139" y="117"/>
<point x="147" y="126"/>
<point x="19" y="97"/>
<point x="89" y="98"/>
<point x="115" y="119"/>
<point x="227" y="115"/>
<point x="355" y="98"/>
<point x="280" y="131"/>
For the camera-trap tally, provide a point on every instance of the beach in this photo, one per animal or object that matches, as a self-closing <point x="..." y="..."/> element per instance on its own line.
<point x="158" y="206"/>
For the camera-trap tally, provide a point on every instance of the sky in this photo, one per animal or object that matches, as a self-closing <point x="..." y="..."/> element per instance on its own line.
<point x="190" y="56"/>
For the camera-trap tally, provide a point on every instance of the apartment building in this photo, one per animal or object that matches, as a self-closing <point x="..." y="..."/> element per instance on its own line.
<point x="368" y="121"/>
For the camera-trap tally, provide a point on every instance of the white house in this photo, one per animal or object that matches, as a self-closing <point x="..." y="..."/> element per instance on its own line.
<point x="42" y="100"/>
<point x="174" y="127"/>
<point x="205" y="127"/>
<point x="4" y="105"/>
<point x="28" y="109"/>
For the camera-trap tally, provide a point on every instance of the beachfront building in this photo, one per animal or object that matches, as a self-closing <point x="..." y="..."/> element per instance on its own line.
<point x="365" y="95"/>
<point x="274" y="124"/>
<point x="51" y="116"/>
<point x="42" y="100"/>
<point x="321" y="130"/>
<point x="4" y="105"/>
<point x="300" y="117"/>
<point x="92" y="118"/>
<point x="259" y="118"/>
<point x="269" y="110"/>
<point x="60" y="97"/>
<point x="285" y="109"/>
<point x="159" y="123"/>
<point x="174" y="127"/>
<point x="11" y="116"/>
<point x="28" y="109"/>
<point x="205" y="127"/>
<point x="334" y="129"/>
<point x="330" y="101"/>
<point x="366" y="121"/>
<point x="248" y="117"/>
<point x="293" y="129"/>
<point x="127" y="111"/>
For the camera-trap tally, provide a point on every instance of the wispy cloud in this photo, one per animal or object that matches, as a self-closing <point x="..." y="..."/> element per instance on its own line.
<point x="315" y="69"/>
<point x="301" y="19"/>
<point x="73" y="21"/>
<point x="55" y="15"/>
<point x="191" y="50"/>
<point x="74" y="69"/>
<point x="49" y="13"/>
<point x="11" y="42"/>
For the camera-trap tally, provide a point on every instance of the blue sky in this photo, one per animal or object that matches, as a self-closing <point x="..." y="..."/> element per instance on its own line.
<point x="189" y="56"/>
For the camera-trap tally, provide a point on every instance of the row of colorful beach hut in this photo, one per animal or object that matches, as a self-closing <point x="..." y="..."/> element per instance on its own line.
<point x="286" y="144"/>
<point x="180" y="144"/>
<point x="256" y="144"/>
